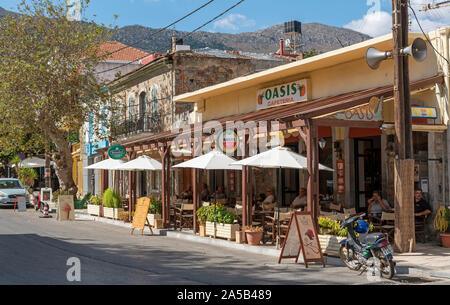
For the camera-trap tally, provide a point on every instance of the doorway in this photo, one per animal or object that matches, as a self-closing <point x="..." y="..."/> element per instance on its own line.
<point x="367" y="159"/>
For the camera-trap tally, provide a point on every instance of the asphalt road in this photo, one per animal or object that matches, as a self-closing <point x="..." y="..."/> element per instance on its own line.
<point x="36" y="251"/>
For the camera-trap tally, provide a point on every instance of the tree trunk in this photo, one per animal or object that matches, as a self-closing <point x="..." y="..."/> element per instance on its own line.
<point x="63" y="159"/>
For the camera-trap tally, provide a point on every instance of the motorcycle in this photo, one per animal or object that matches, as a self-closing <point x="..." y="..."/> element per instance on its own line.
<point x="369" y="251"/>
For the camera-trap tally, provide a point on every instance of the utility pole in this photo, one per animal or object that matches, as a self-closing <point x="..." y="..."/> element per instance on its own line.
<point x="404" y="163"/>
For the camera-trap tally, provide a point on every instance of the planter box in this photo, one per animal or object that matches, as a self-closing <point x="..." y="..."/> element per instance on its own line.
<point x="93" y="209"/>
<point x="202" y="230"/>
<point x="240" y="237"/>
<point x="330" y="244"/>
<point x="227" y="231"/>
<point x="152" y="219"/>
<point x="111" y="212"/>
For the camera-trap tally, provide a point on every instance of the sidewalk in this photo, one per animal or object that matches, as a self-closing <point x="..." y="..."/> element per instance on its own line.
<point x="429" y="260"/>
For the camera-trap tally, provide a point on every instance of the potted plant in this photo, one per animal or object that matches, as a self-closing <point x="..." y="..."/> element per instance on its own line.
<point x="27" y="176"/>
<point x="330" y="235"/>
<point x="94" y="205"/>
<point x="155" y="212"/>
<point x="220" y="223"/>
<point x="202" y="216"/>
<point x="441" y="223"/>
<point x="253" y="235"/>
<point x="111" y="204"/>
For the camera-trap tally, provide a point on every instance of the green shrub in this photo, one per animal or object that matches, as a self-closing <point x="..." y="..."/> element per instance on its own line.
<point x="155" y="206"/>
<point x="95" y="200"/>
<point x="111" y="199"/>
<point x="221" y="215"/>
<point x="27" y="176"/>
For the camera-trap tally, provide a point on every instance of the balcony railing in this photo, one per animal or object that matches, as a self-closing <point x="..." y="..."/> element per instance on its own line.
<point x="145" y="123"/>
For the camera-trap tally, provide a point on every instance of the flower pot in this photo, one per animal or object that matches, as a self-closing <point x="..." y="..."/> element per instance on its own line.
<point x="240" y="237"/>
<point x="221" y="230"/>
<point x="202" y="230"/>
<point x="445" y="240"/>
<point x="111" y="212"/>
<point x="93" y="209"/>
<point x="253" y="238"/>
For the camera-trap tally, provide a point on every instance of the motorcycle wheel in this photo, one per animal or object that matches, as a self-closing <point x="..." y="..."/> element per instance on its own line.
<point x="345" y="254"/>
<point x="387" y="268"/>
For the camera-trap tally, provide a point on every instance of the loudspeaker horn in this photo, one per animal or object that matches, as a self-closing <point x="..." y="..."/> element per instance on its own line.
<point x="418" y="49"/>
<point x="374" y="57"/>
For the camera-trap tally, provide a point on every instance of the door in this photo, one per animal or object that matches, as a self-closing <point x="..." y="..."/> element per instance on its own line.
<point x="367" y="170"/>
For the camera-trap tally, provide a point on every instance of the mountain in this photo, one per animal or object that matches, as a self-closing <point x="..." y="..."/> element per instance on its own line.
<point x="317" y="36"/>
<point x="320" y="37"/>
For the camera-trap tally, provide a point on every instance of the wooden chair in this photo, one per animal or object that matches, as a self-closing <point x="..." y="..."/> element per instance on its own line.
<point x="420" y="225"/>
<point x="335" y="207"/>
<point x="271" y="222"/>
<point x="388" y="226"/>
<point x="269" y="206"/>
<point x="351" y="211"/>
<point x="184" y="216"/>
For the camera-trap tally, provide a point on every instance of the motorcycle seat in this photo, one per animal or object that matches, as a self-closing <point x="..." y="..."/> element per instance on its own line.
<point x="372" y="238"/>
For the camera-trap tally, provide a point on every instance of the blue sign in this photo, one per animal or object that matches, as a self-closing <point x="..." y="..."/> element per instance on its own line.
<point x="22" y="156"/>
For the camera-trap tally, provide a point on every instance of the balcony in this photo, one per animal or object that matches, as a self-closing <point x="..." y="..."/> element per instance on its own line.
<point x="151" y="123"/>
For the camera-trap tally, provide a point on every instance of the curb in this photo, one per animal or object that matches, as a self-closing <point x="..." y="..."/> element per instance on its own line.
<point x="405" y="270"/>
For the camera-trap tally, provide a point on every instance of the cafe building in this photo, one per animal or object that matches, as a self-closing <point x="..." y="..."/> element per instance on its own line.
<point x="337" y="111"/>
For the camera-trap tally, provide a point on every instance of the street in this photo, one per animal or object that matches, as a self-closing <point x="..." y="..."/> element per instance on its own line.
<point x="35" y="251"/>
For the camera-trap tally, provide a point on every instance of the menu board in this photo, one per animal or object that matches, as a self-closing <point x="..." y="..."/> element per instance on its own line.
<point x="140" y="215"/>
<point x="302" y="237"/>
<point x="65" y="208"/>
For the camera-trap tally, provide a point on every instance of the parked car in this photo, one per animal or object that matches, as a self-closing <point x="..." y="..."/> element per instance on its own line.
<point x="10" y="188"/>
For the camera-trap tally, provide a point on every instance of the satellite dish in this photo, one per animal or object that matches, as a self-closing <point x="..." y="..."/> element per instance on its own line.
<point x="287" y="42"/>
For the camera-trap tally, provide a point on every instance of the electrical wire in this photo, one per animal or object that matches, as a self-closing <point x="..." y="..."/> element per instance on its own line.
<point x="162" y="29"/>
<point x="208" y="22"/>
<point x="426" y="36"/>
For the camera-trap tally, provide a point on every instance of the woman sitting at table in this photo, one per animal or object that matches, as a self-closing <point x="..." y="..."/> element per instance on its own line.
<point x="300" y="201"/>
<point x="377" y="205"/>
<point x="187" y="193"/>
<point x="268" y="202"/>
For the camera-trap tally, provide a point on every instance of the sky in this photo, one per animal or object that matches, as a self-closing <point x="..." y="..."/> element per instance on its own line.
<point x="371" y="17"/>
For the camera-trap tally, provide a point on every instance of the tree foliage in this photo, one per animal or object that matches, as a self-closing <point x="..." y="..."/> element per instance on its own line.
<point x="48" y="82"/>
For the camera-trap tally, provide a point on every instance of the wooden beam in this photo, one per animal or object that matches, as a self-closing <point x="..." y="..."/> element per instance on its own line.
<point x="347" y="123"/>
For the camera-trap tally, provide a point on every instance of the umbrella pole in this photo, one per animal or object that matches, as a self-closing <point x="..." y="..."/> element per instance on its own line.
<point x="279" y="204"/>
<point x="215" y="201"/>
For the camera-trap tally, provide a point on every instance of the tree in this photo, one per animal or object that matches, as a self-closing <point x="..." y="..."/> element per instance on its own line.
<point x="48" y="84"/>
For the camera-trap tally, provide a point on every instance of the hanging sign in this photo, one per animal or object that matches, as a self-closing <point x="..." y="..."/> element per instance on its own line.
<point x="302" y="237"/>
<point x="140" y="215"/>
<point x="372" y="112"/>
<point x="283" y="94"/>
<point x="117" y="152"/>
<point x="228" y="141"/>
<point x="340" y="164"/>
<point x="424" y="112"/>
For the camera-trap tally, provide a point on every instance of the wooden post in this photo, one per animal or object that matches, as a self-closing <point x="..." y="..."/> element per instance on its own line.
<point x="312" y="155"/>
<point x="404" y="166"/>
<point x="130" y="157"/>
<point x="247" y="196"/>
<point x="404" y="198"/>
<point x="196" y="195"/>
<point x="164" y="151"/>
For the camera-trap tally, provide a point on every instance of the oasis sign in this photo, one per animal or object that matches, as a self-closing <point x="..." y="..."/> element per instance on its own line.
<point x="283" y="94"/>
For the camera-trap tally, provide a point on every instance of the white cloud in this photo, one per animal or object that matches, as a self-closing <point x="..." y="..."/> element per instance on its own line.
<point x="377" y="22"/>
<point x="234" y="22"/>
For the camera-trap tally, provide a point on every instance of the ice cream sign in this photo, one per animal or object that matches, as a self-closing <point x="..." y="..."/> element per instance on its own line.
<point x="283" y="94"/>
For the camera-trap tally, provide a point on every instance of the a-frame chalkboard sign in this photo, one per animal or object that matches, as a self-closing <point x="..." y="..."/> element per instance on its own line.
<point x="302" y="237"/>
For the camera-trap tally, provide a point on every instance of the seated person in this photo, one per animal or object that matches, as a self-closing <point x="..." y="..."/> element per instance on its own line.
<point x="204" y="192"/>
<point x="187" y="193"/>
<point x="219" y="193"/>
<point x="421" y="207"/>
<point x="300" y="201"/>
<point x="268" y="202"/>
<point x="377" y="205"/>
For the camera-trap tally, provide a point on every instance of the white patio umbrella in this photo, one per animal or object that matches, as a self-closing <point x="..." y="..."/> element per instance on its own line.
<point x="279" y="157"/>
<point x="108" y="164"/>
<point x="214" y="160"/>
<point x="33" y="162"/>
<point x="140" y="164"/>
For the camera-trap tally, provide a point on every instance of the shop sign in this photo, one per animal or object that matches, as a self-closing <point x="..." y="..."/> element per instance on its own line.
<point x="117" y="152"/>
<point x="424" y="112"/>
<point x="228" y="141"/>
<point x="372" y="112"/>
<point x="283" y="94"/>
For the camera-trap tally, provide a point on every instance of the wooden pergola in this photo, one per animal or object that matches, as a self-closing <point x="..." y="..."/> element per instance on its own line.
<point x="306" y="117"/>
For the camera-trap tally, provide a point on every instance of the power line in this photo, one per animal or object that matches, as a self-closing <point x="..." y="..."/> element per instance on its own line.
<point x="208" y="22"/>
<point x="426" y="36"/>
<point x="162" y="29"/>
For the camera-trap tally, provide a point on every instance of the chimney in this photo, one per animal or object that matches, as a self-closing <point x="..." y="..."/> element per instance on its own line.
<point x="174" y="44"/>
<point x="281" y="46"/>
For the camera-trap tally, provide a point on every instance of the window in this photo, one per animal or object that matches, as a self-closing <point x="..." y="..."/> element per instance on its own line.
<point x="154" y="102"/>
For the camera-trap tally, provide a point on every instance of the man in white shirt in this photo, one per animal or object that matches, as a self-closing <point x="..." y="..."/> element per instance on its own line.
<point x="301" y="200"/>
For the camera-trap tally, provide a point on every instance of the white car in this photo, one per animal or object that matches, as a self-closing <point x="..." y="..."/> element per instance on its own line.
<point x="10" y="188"/>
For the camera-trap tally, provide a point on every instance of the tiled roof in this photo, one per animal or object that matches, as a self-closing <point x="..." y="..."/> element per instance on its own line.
<point x="126" y="54"/>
